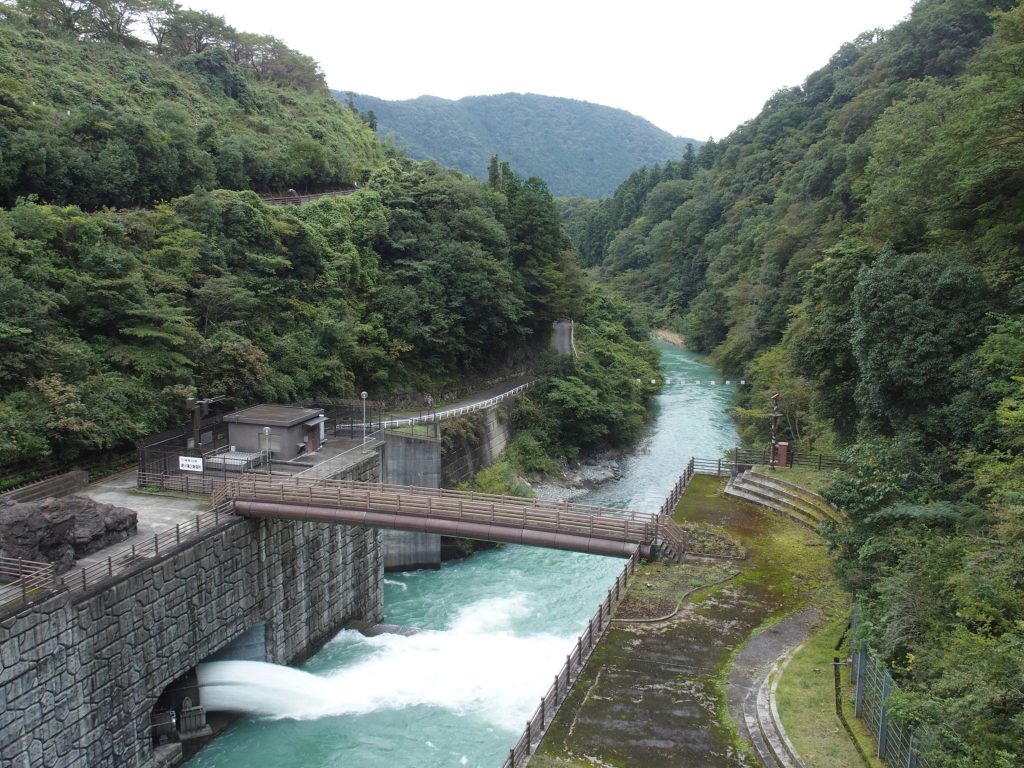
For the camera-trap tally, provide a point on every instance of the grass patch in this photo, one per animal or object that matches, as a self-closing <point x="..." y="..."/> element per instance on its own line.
<point x="500" y="478"/>
<point x="806" y="696"/>
<point x="703" y="500"/>
<point x="806" y="477"/>
<point x="657" y="589"/>
<point x="702" y="503"/>
<point x="415" y="430"/>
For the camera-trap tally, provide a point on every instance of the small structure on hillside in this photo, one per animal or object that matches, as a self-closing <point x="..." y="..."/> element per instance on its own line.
<point x="286" y="431"/>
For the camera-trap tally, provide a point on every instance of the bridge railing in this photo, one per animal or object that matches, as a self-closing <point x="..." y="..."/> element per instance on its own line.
<point x="463" y="506"/>
<point x="575" y="660"/>
<point x="247" y="484"/>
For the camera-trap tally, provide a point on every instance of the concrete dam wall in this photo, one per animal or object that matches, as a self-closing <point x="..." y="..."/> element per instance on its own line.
<point x="82" y="671"/>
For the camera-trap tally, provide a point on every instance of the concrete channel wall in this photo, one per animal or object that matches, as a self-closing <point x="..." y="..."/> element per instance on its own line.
<point x="467" y="445"/>
<point x="81" y="672"/>
<point x="412" y="460"/>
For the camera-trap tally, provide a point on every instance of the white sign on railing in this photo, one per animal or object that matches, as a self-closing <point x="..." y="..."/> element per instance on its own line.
<point x="190" y="464"/>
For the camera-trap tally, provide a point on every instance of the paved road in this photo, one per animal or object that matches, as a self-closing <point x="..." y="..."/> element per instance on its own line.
<point x="561" y="339"/>
<point x="156" y="512"/>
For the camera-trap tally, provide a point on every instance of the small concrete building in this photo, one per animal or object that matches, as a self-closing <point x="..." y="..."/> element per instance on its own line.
<point x="286" y="431"/>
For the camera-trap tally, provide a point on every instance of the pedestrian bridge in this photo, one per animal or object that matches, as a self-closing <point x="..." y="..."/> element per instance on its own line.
<point x="463" y="514"/>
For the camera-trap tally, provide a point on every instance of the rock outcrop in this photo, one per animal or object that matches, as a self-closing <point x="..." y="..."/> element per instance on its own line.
<point x="58" y="530"/>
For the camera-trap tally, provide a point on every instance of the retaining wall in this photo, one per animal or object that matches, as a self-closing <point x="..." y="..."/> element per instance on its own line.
<point x="474" y="442"/>
<point x="82" y="671"/>
<point x="467" y="445"/>
<point x="61" y="485"/>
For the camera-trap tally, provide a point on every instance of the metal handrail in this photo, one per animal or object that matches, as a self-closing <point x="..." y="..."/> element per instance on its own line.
<point x="24" y="580"/>
<point x="577" y="657"/>
<point x="388" y="497"/>
<point x="437" y="416"/>
<point x="87" y="577"/>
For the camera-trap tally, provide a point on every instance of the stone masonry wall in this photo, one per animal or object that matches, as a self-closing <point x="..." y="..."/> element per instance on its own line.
<point x="82" y="671"/>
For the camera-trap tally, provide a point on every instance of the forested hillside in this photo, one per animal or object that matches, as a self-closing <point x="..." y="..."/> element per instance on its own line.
<point x="91" y="115"/>
<point x="138" y="265"/>
<point x="578" y="148"/>
<point x="859" y="248"/>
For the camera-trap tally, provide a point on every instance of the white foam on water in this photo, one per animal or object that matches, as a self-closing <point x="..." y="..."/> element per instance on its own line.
<point x="477" y="667"/>
<point x="400" y="584"/>
<point x="271" y="690"/>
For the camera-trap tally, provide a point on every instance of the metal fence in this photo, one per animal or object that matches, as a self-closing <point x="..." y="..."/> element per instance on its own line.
<point x="160" y="467"/>
<point x="896" y="743"/>
<point x="542" y="718"/>
<point x="151" y="549"/>
<point x="794" y="459"/>
<point x="23" y="582"/>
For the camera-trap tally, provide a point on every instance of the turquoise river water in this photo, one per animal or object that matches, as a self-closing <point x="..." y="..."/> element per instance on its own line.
<point x="496" y="629"/>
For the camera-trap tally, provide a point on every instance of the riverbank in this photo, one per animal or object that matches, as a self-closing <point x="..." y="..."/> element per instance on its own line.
<point x="656" y="693"/>
<point x="669" y="337"/>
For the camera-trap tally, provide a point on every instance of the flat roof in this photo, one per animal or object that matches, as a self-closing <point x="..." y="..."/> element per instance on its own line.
<point x="272" y="415"/>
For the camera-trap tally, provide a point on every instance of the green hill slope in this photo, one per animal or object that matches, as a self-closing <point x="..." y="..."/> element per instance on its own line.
<point x="107" y="123"/>
<point x="578" y="148"/>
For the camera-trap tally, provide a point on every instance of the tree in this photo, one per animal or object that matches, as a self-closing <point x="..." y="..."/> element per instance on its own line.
<point x="914" y="317"/>
<point x="187" y="31"/>
<point x="67" y="16"/>
<point x="113" y="19"/>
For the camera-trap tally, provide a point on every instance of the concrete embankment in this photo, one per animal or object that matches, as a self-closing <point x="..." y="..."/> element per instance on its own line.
<point x="653" y="694"/>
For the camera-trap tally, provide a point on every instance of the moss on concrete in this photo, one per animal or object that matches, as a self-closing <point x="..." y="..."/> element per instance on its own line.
<point x="653" y="694"/>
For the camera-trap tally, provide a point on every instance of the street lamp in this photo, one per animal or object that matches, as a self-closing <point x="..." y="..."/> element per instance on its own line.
<point x="362" y="396"/>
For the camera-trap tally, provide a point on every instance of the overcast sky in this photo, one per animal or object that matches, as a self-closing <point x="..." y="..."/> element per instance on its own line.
<point x="695" y="69"/>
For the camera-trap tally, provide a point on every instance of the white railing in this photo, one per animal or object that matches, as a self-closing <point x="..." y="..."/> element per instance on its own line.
<point x="437" y="416"/>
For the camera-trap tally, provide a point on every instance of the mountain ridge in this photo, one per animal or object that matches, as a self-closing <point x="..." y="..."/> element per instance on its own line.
<point x="579" y="148"/>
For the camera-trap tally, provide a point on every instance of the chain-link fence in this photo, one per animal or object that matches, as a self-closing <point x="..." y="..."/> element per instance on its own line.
<point x="897" y="743"/>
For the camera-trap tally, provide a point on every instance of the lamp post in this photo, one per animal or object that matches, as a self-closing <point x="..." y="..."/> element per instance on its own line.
<point x="266" y="439"/>
<point x="362" y="396"/>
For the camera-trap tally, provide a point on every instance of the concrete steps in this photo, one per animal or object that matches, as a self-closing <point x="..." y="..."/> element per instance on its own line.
<point x="798" y="503"/>
<point x="761" y="723"/>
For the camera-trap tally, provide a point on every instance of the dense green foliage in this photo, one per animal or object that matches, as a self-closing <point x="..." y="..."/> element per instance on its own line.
<point x="578" y="148"/>
<point x="859" y="248"/>
<point x="113" y="317"/>
<point x="592" y="402"/>
<point x="138" y="266"/>
<point x="92" y="118"/>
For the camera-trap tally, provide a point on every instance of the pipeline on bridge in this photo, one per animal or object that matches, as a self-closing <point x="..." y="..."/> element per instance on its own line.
<point x="559" y="525"/>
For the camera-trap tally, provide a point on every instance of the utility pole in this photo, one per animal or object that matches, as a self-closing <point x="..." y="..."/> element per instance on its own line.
<point x="198" y="409"/>
<point x="775" y="432"/>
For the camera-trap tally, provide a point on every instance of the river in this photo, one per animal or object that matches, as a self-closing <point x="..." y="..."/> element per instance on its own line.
<point x="494" y="630"/>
